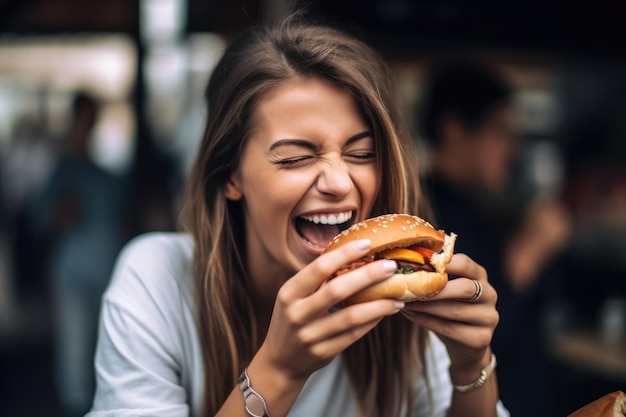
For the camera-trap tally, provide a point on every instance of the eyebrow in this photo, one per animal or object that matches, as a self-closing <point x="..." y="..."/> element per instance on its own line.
<point x="310" y="145"/>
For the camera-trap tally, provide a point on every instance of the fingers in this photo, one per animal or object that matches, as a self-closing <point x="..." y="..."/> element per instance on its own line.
<point x="303" y="334"/>
<point x="465" y="288"/>
<point x="457" y="311"/>
<point x="301" y="347"/>
<point x="465" y="327"/>
<point x="462" y="289"/>
<point x="330" y="335"/>
<point x="470" y="336"/>
<point x="339" y="288"/>
<point x="463" y="265"/>
<point x="346" y="320"/>
<point x="309" y="279"/>
<point x="467" y="324"/>
<point x="330" y="348"/>
<point x="449" y="304"/>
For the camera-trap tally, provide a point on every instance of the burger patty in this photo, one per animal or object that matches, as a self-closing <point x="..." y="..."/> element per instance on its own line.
<point x="404" y="267"/>
<point x="408" y="267"/>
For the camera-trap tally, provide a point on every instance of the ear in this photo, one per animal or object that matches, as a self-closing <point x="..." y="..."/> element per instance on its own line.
<point x="232" y="191"/>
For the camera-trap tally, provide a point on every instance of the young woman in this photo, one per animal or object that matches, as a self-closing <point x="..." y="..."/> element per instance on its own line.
<point x="302" y="137"/>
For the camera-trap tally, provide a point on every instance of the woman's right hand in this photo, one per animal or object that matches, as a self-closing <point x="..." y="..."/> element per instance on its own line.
<point x="303" y="334"/>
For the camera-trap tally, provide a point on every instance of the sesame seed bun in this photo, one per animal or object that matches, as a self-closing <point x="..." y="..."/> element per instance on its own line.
<point x="610" y="405"/>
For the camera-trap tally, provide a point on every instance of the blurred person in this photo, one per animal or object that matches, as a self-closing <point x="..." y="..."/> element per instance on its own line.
<point x="79" y="212"/>
<point x="301" y="125"/>
<point x="26" y="166"/>
<point x="469" y="120"/>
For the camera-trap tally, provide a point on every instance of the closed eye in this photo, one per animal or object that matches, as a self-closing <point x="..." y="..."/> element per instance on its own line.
<point x="365" y="156"/>
<point x="293" y="162"/>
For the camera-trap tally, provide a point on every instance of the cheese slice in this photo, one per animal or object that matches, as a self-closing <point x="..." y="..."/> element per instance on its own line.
<point x="403" y="254"/>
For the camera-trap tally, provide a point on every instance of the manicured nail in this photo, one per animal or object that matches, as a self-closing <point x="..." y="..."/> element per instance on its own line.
<point x="389" y="266"/>
<point x="363" y="244"/>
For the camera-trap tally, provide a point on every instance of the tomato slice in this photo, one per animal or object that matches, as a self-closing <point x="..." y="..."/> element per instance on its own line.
<point x="403" y="254"/>
<point x="425" y="252"/>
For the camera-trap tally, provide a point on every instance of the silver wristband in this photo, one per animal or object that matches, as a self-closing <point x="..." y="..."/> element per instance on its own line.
<point x="484" y="375"/>
<point x="252" y="400"/>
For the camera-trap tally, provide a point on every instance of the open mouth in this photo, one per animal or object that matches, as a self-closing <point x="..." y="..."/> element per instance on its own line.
<point x="318" y="229"/>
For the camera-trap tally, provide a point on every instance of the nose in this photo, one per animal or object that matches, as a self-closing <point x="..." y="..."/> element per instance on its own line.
<point x="334" y="179"/>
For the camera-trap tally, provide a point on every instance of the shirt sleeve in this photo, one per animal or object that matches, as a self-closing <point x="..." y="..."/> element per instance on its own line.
<point x="437" y="393"/>
<point x="137" y="362"/>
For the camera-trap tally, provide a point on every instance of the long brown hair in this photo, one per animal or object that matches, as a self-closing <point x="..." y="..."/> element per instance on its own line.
<point x="382" y="364"/>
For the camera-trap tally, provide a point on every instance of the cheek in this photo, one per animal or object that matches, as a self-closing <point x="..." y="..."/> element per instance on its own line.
<point x="367" y="180"/>
<point x="489" y="151"/>
<point x="272" y="190"/>
<point x="494" y="161"/>
<point x="503" y="153"/>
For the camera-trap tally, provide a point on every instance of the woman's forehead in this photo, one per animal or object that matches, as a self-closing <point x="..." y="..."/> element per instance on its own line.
<point x="307" y="105"/>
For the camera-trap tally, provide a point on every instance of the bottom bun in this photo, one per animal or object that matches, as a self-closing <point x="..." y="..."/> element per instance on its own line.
<point x="418" y="285"/>
<point x="611" y="405"/>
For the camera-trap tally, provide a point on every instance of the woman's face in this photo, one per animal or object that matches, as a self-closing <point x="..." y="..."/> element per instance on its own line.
<point x="308" y="169"/>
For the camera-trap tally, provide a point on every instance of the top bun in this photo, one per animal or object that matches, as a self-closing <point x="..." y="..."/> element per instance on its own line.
<point x="611" y="405"/>
<point x="391" y="231"/>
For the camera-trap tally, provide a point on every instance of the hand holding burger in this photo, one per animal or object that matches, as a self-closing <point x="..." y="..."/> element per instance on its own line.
<point x="461" y="312"/>
<point x="420" y="251"/>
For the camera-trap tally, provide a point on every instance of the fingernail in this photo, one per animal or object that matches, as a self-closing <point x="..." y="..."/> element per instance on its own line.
<point x="398" y="305"/>
<point x="389" y="266"/>
<point x="363" y="244"/>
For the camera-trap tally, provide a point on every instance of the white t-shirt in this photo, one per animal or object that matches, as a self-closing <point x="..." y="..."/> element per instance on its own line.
<point x="149" y="360"/>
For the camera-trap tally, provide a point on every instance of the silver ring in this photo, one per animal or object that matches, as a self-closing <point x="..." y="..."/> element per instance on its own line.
<point x="477" y="294"/>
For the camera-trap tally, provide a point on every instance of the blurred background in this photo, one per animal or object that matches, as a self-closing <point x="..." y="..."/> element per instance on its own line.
<point x="101" y="110"/>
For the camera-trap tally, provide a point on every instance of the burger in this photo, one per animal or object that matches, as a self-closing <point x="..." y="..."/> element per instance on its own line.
<point x="610" y="405"/>
<point x="420" y="251"/>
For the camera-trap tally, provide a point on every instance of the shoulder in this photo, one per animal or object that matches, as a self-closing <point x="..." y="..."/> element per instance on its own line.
<point x="156" y="266"/>
<point x="148" y="330"/>
<point x="157" y="253"/>
<point x="166" y="247"/>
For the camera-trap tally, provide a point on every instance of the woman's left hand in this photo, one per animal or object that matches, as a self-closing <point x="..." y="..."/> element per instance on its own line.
<point x="466" y="328"/>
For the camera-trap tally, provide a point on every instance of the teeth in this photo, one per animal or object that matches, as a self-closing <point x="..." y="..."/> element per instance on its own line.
<point x="329" y="218"/>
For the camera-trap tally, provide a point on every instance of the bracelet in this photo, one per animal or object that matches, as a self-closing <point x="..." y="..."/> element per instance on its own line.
<point x="484" y="375"/>
<point x="252" y="400"/>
